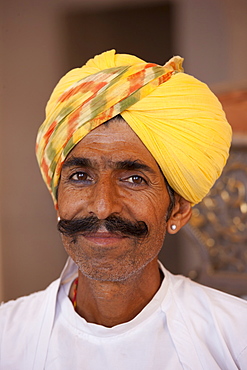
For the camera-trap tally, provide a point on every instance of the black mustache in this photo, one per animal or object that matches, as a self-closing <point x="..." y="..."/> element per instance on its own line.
<point x="113" y="224"/>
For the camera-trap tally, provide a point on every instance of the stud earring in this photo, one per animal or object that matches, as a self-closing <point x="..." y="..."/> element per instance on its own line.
<point x="58" y="219"/>
<point x="173" y="227"/>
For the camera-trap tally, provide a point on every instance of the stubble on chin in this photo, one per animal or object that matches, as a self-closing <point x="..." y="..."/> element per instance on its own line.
<point x="110" y="265"/>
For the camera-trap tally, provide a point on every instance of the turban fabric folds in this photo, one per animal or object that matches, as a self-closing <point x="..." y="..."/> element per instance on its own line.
<point x="176" y="116"/>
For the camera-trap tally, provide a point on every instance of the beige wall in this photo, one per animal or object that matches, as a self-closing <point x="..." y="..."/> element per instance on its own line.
<point x="31" y="251"/>
<point x="1" y="120"/>
<point x="208" y="34"/>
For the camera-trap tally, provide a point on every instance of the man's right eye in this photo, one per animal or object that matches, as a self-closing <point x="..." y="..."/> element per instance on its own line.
<point x="81" y="177"/>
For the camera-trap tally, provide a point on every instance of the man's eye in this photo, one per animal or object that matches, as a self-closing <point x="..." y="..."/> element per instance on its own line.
<point x="80" y="176"/>
<point x="136" y="180"/>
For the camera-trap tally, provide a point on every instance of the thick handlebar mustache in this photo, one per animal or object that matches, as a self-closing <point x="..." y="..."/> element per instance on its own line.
<point x="113" y="224"/>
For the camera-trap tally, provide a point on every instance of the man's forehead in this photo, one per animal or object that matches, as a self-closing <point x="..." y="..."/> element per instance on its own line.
<point x="111" y="143"/>
<point x="114" y="130"/>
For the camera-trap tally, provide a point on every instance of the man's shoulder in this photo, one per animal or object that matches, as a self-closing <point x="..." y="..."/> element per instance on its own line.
<point x="185" y="287"/>
<point x="24" y="310"/>
<point x="21" y="305"/>
<point x="215" y="320"/>
<point x="25" y="323"/>
<point x="197" y="302"/>
<point x="209" y="307"/>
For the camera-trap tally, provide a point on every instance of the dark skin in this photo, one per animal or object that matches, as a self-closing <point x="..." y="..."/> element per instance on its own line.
<point x="108" y="172"/>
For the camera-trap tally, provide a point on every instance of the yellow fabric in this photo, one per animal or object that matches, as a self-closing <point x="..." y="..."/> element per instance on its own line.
<point x="184" y="127"/>
<point x="181" y="122"/>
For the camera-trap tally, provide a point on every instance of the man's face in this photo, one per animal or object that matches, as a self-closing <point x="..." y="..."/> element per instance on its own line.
<point x="111" y="173"/>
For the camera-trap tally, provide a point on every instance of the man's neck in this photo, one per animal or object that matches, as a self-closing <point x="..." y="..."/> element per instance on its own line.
<point x="113" y="303"/>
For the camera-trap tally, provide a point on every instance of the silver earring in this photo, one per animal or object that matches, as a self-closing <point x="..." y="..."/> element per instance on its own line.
<point x="173" y="227"/>
<point x="58" y="219"/>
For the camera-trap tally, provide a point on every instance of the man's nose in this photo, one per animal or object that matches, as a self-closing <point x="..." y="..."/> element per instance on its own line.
<point x="105" y="200"/>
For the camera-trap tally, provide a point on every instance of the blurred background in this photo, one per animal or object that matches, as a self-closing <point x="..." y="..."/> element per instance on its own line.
<point x="40" y="42"/>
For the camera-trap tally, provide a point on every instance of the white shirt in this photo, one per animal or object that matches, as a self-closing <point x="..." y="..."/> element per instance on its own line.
<point x="132" y="345"/>
<point x="186" y="325"/>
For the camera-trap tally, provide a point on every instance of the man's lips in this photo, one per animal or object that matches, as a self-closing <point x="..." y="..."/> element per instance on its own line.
<point x="103" y="238"/>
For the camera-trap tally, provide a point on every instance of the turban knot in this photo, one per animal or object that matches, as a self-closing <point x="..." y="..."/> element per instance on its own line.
<point x="177" y="117"/>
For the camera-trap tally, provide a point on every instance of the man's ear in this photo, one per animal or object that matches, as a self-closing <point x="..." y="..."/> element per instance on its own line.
<point x="180" y="215"/>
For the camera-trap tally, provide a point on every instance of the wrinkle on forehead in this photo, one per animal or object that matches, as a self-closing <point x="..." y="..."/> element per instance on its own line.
<point x="115" y="126"/>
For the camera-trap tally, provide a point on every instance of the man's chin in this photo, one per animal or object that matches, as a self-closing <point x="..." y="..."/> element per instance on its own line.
<point x="113" y="271"/>
<point x="105" y="274"/>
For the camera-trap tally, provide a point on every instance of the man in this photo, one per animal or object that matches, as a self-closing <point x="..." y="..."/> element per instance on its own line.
<point x="126" y="149"/>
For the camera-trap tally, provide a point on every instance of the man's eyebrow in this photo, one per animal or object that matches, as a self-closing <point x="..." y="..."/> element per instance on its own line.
<point x="77" y="162"/>
<point x="133" y="165"/>
<point x="128" y="165"/>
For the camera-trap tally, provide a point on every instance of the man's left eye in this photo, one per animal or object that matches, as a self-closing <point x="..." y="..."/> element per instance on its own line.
<point x="136" y="180"/>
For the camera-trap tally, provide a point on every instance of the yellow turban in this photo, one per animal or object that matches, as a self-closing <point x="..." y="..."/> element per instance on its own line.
<point x="176" y="116"/>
